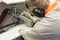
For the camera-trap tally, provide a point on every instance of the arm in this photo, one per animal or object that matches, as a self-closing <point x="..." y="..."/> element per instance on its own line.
<point x="27" y="18"/>
<point x="46" y="29"/>
<point x="41" y="31"/>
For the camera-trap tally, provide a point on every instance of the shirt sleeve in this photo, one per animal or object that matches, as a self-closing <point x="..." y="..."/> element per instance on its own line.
<point x="43" y="29"/>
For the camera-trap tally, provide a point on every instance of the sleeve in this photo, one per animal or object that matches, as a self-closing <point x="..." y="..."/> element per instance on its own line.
<point x="41" y="30"/>
<point x="45" y="29"/>
<point x="27" y="18"/>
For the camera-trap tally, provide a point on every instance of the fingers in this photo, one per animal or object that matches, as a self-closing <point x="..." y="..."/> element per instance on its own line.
<point x="34" y="20"/>
<point x="21" y="30"/>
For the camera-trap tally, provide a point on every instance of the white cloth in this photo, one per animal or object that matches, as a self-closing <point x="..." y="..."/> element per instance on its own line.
<point x="13" y="1"/>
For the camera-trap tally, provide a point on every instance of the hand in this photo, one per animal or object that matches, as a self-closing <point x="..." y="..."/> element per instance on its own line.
<point x="21" y="30"/>
<point x="34" y="20"/>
